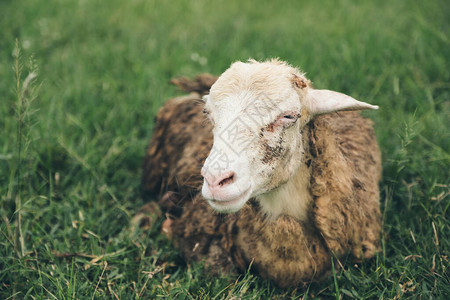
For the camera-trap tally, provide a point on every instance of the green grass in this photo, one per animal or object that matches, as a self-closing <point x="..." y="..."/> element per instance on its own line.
<point x="73" y="138"/>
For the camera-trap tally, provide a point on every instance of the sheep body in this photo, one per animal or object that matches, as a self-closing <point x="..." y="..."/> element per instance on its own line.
<point x="343" y="162"/>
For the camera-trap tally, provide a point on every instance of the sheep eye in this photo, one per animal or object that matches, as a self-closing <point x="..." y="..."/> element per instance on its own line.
<point x="290" y="118"/>
<point x="208" y="116"/>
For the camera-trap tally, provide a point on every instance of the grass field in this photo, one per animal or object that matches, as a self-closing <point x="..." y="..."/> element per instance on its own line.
<point x="78" y="96"/>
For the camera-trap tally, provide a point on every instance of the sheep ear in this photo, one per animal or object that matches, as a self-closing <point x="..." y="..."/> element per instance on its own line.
<point x="325" y="101"/>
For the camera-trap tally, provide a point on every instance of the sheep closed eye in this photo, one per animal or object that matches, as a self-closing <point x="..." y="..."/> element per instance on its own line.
<point x="283" y="121"/>
<point x="288" y="119"/>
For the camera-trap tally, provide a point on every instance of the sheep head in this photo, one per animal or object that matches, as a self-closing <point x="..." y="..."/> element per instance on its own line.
<point x="258" y="110"/>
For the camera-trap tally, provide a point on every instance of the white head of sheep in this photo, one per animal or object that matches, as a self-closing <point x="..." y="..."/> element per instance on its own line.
<point x="258" y="110"/>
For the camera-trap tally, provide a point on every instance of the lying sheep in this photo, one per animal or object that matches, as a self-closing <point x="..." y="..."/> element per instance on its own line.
<point x="295" y="171"/>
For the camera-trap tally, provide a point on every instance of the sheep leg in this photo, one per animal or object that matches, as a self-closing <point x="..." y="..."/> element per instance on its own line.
<point x="146" y="217"/>
<point x="149" y="213"/>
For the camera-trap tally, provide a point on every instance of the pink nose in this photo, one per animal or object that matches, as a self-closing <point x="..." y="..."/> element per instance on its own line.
<point x="217" y="182"/>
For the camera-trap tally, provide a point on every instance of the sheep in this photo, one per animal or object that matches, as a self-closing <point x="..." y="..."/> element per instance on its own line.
<point x="264" y="170"/>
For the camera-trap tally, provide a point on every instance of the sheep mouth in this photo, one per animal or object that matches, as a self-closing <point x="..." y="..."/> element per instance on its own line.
<point x="230" y="205"/>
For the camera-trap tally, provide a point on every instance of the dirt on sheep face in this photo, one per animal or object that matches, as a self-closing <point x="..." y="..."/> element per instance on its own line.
<point x="272" y="153"/>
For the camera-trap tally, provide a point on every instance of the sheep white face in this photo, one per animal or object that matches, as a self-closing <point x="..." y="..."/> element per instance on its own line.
<point x="258" y="111"/>
<point x="257" y="145"/>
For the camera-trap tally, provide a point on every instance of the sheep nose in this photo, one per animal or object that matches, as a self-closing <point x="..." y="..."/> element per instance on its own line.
<point x="217" y="182"/>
